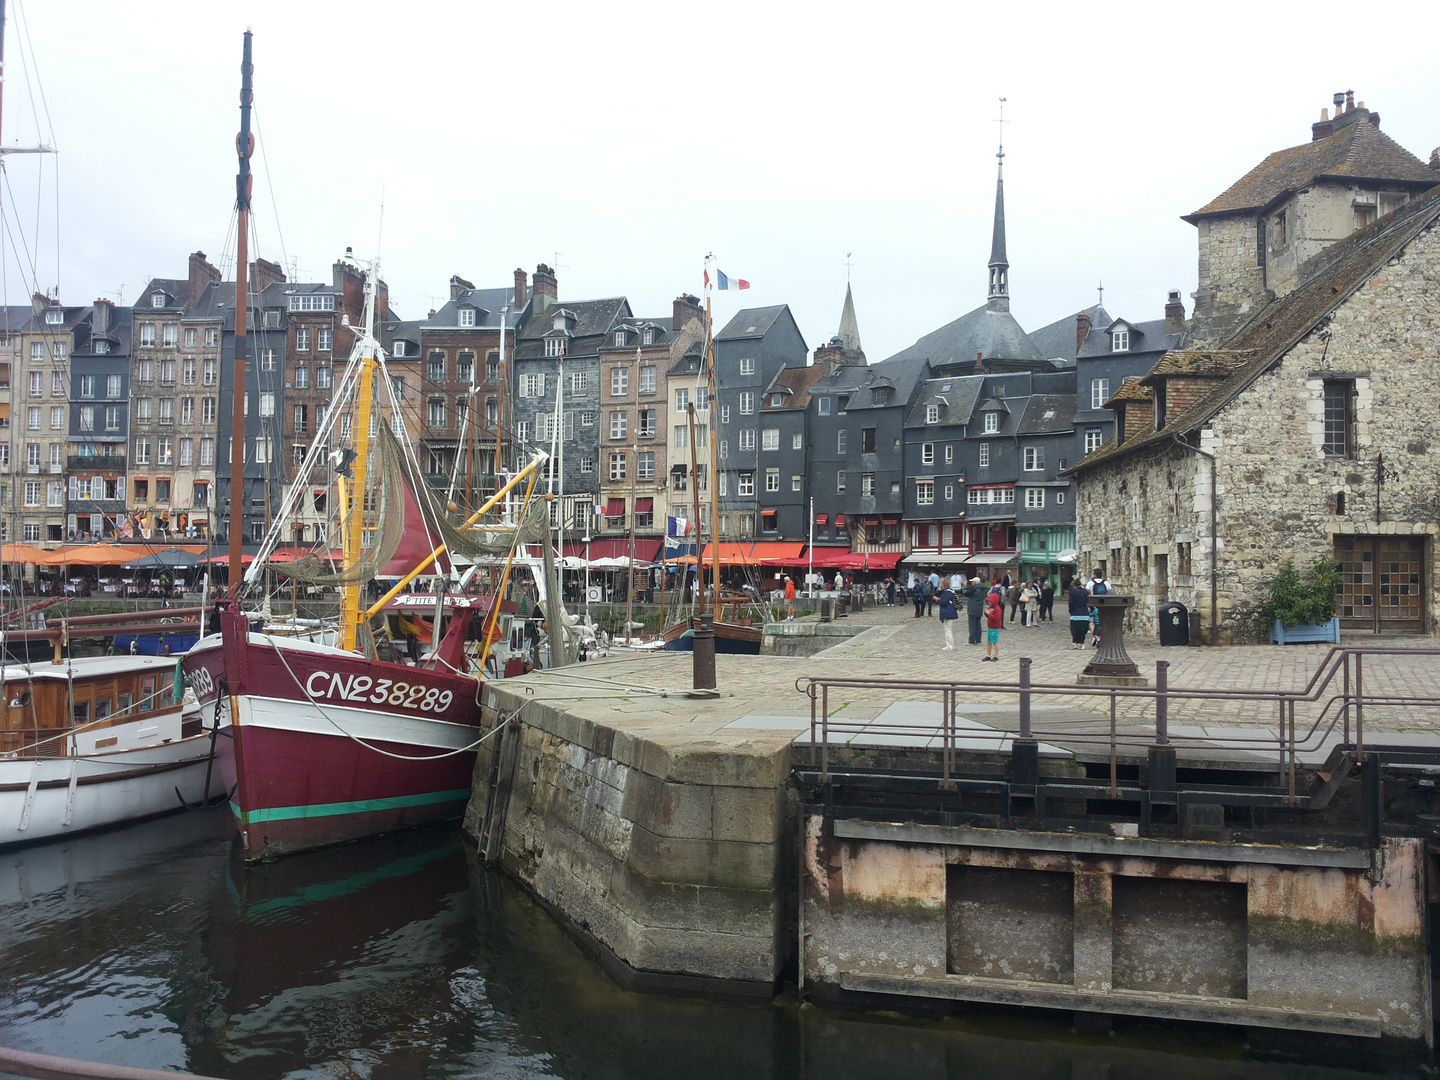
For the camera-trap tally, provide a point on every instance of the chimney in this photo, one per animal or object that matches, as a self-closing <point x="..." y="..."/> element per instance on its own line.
<point x="459" y="286"/>
<point x="201" y="274"/>
<point x="103" y="316"/>
<point x="547" y="290"/>
<point x="38" y="303"/>
<point x="979" y="363"/>
<point x="830" y="356"/>
<point x="1082" y="330"/>
<point x="263" y="274"/>
<point x="1349" y="100"/>
<point x="1174" y="313"/>
<point x="522" y="291"/>
<point x="686" y="307"/>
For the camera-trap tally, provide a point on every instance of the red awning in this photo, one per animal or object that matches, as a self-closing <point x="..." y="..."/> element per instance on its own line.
<point x="822" y="520"/>
<point x="891" y="519"/>
<point x="644" y="506"/>
<point x="615" y="508"/>
<point x="841" y="559"/>
<point x="872" y="521"/>
<point x="839" y="521"/>
<point x="760" y="552"/>
<point x="614" y="548"/>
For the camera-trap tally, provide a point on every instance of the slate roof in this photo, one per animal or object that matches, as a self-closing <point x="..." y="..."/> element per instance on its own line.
<point x="15" y="318"/>
<point x="1047" y="414"/>
<point x="799" y="381"/>
<point x="487" y="304"/>
<point x="1204" y="363"/>
<point x="217" y="301"/>
<point x="1056" y="341"/>
<point x="994" y="334"/>
<point x="1359" y="151"/>
<point x="1273" y="330"/>
<point x="959" y="394"/>
<point x="177" y="291"/>
<point x="750" y="323"/>
<point x="592" y="319"/>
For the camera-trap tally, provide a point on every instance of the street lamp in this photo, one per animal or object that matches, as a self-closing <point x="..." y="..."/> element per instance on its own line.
<point x="1384" y="474"/>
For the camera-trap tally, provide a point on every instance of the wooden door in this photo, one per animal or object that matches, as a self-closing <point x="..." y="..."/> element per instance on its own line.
<point x="1382" y="583"/>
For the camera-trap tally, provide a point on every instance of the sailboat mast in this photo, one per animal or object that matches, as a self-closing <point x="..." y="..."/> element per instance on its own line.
<point x="352" y="612"/>
<point x="244" y="147"/>
<point x="710" y="436"/>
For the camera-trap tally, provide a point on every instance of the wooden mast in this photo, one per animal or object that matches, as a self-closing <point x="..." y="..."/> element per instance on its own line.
<point x="710" y="434"/>
<point x="244" y="146"/>
<point x="352" y="613"/>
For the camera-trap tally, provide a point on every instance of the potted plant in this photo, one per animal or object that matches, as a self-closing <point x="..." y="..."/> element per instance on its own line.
<point x="1299" y="611"/>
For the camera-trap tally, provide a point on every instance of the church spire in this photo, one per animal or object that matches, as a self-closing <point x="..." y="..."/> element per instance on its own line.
<point x="999" y="294"/>
<point x="849" y="333"/>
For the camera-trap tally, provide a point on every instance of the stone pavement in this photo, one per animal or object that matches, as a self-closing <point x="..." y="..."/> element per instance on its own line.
<point x="758" y="695"/>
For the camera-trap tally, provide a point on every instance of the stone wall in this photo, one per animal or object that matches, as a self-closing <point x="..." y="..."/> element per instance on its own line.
<point x="1277" y="487"/>
<point x="1224" y="933"/>
<point x="1231" y="282"/>
<point x="666" y="851"/>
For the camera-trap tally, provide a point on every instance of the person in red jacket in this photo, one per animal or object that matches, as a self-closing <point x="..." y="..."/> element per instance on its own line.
<point x="789" y="599"/>
<point x="994" y="622"/>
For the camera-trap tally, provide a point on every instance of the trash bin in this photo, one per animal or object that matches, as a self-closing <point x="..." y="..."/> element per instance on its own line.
<point x="1174" y="624"/>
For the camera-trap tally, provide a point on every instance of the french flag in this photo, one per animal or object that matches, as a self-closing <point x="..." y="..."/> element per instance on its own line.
<point x="678" y="527"/>
<point x="722" y="282"/>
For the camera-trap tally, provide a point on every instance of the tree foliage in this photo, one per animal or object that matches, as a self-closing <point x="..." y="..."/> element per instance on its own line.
<point x="1299" y="602"/>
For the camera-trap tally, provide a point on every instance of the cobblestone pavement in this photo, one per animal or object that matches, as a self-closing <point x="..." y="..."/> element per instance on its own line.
<point x="758" y="694"/>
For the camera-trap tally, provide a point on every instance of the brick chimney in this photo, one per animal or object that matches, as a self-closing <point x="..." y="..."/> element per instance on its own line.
<point x="830" y="356"/>
<point x="459" y="286"/>
<point x="687" y="307"/>
<point x="201" y="274"/>
<point x="38" y="303"/>
<point x="102" y="318"/>
<point x="522" y="291"/>
<point x="1082" y="330"/>
<point x="263" y="274"/>
<point x="979" y="363"/>
<point x="547" y="289"/>
<point x="1174" y="313"/>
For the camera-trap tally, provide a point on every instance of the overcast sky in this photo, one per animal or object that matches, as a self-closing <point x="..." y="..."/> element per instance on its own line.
<point x="632" y="138"/>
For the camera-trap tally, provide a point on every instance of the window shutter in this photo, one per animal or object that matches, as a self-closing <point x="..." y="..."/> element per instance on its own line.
<point x="97" y="487"/>
<point x="74" y="487"/>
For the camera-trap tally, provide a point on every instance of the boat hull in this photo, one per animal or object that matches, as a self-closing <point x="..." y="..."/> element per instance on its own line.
<point x="155" y="644"/>
<point x="49" y="798"/>
<point x="322" y="756"/>
<point x="729" y="638"/>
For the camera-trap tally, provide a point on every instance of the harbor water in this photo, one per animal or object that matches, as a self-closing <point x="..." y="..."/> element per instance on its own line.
<point x="403" y="957"/>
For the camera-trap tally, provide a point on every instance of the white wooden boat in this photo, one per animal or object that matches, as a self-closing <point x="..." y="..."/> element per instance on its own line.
<point x="98" y="741"/>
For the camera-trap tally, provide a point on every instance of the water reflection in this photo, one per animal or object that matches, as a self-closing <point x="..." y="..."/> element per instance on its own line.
<point x="402" y="957"/>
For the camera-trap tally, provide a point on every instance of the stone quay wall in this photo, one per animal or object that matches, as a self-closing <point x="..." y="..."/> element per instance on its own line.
<point x="1261" y="936"/>
<point x="668" y="852"/>
<point x="1280" y="495"/>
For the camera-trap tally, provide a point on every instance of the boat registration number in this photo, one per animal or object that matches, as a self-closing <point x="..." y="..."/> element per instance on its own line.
<point x="363" y="689"/>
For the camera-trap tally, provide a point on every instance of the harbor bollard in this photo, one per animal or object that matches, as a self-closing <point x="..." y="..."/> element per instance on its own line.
<point x="704" y="646"/>
<point x="1162" y="702"/>
<point x="1025" y="751"/>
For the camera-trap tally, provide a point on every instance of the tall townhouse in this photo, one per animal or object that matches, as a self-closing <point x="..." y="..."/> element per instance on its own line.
<point x="98" y="433"/>
<point x="560" y="343"/>
<point x="643" y="423"/>
<point x="42" y="400"/>
<point x="13" y="321"/>
<point x="460" y="379"/>
<point x="750" y="350"/>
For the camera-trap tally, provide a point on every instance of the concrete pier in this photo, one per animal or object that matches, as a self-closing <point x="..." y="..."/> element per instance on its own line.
<point x="692" y="844"/>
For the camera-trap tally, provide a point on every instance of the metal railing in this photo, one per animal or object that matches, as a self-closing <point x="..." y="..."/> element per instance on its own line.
<point x="1337" y="688"/>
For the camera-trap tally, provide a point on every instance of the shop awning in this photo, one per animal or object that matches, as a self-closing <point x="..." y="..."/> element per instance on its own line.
<point x="615" y="508"/>
<point x="613" y="548"/>
<point x="921" y="559"/>
<point x="840" y="559"/>
<point x="872" y="520"/>
<point x="890" y="519"/>
<point x="998" y="558"/>
<point x="757" y="553"/>
<point x="644" y="506"/>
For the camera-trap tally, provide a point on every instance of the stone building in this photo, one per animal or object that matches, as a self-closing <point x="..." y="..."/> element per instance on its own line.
<point x="99" y="423"/>
<point x="1259" y="238"/>
<point x="40" y="421"/>
<point x="1312" y="432"/>
<point x="13" y="321"/>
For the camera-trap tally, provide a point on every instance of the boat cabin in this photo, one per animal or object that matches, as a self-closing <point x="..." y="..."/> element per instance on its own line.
<point x="409" y="625"/>
<point x="89" y="705"/>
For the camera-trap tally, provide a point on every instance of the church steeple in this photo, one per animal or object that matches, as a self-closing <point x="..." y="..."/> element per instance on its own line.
<point x="850" y="331"/>
<point x="999" y="295"/>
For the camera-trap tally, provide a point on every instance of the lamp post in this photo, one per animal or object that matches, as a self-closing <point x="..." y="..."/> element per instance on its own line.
<point x="1383" y="475"/>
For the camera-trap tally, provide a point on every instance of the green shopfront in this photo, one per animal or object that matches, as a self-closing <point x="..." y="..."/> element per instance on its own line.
<point x="1047" y="551"/>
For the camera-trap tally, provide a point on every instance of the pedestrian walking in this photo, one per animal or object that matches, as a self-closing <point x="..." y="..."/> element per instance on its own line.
<point x="1029" y="603"/>
<point x="1047" y="601"/>
<point x="1078" y="601"/>
<point x="839" y="581"/>
<point x="1097" y="586"/>
<point x="1012" y="597"/>
<point x="789" y="599"/>
<point x="948" y="614"/>
<point x="917" y="594"/>
<point x="974" y="594"/>
<point x="890" y="591"/>
<point x="928" y="589"/>
<point x="1095" y="628"/>
<point x="994" y="621"/>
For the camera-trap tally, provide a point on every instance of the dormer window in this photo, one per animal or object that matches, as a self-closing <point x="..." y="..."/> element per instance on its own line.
<point x="555" y="346"/>
<point x="619" y="338"/>
<point x="467" y="316"/>
<point x="398" y="349"/>
<point x="54" y="317"/>
<point x="882" y="396"/>
<point x="777" y="400"/>
<point x="102" y="347"/>
<point x="992" y="423"/>
<point x="649" y="336"/>
<point x="157" y="299"/>
<point x="932" y="414"/>
<point x="1120" y="341"/>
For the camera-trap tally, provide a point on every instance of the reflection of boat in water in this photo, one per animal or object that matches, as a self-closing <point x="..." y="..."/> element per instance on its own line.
<point x="97" y="741"/>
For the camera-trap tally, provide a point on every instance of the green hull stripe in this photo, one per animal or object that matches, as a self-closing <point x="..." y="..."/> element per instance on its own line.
<point x="363" y="806"/>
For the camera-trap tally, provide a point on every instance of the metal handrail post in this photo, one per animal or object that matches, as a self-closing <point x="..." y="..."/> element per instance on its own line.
<point x="1114" y="761"/>
<point x="1346" y="709"/>
<point x="814" y="746"/>
<point x="824" y="733"/>
<point x="1162" y="702"/>
<point x="1292" y="751"/>
<point x="1025" y="697"/>
<point x="1359" y="706"/>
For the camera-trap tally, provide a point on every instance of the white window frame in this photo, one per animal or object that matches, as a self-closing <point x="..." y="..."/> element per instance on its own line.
<point x="1034" y="498"/>
<point x="747" y="402"/>
<point x="1034" y="459"/>
<point x="991" y="423"/>
<point x="770" y="439"/>
<point x="1120" y="341"/>
<point x="1099" y="393"/>
<point x="467" y="317"/>
<point x="927" y="453"/>
<point x="984" y="455"/>
<point x="924" y="492"/>
<point x="747" y="365"/>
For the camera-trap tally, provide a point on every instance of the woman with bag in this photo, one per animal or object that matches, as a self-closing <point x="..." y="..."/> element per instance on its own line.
<point x="948" y="614"/>
<point x="1029" y="599"/>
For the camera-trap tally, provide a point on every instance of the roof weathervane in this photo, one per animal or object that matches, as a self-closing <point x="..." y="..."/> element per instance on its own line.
<point x="847" y="266"/>
<point x="1100" y="287"/>
<point x="1001" y="121"/>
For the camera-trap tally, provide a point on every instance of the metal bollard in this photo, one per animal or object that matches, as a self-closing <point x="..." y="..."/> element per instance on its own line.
<point x="1162" y="702"/>
<point x="704" y="646"/>
<point x="1025" y="697"/>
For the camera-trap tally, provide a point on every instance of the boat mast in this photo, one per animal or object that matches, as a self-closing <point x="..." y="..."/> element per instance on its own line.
<point x="710" y="437"/>
<point x="244" y="146"/>
<point x="699" y="604"/>
<point x="352" y="613"/>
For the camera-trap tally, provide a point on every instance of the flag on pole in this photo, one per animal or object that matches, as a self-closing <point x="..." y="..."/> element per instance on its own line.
<point x="724" y="282"/>
<point x="677" y="527"/>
